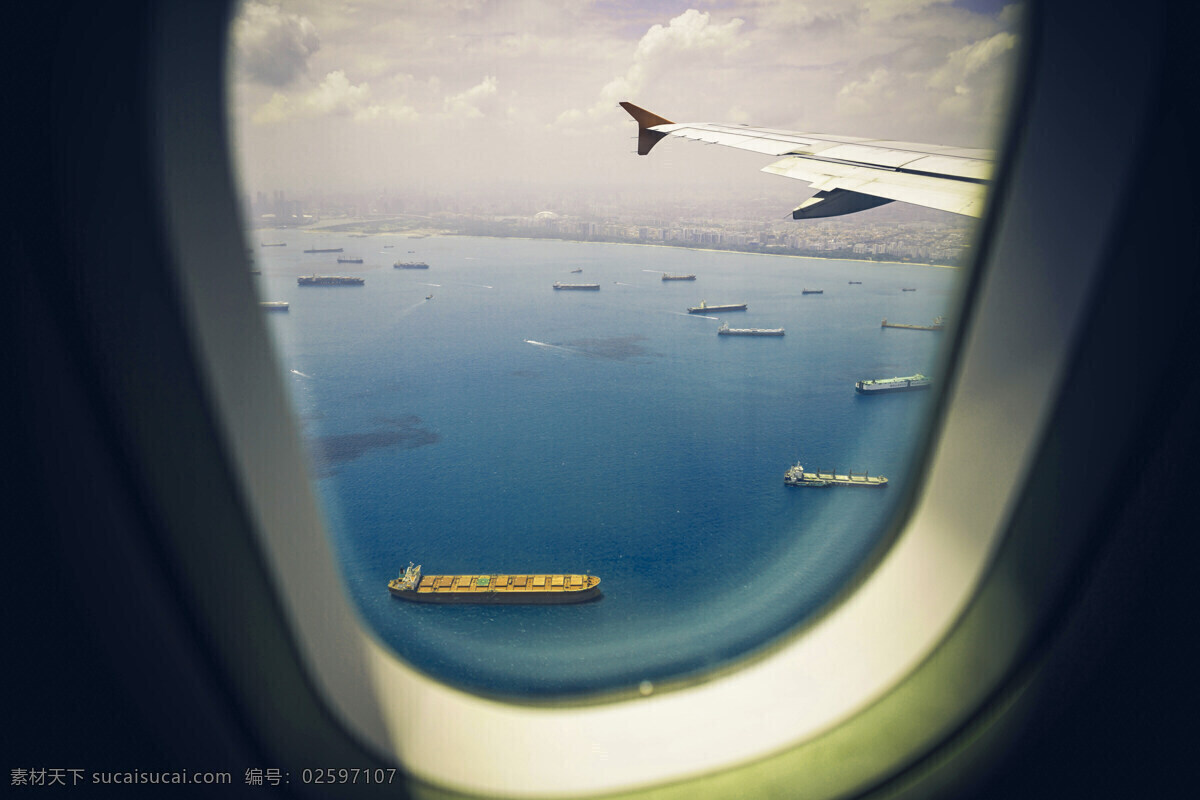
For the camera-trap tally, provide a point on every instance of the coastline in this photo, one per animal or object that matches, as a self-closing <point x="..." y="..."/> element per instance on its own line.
<point x="425" y="233"/>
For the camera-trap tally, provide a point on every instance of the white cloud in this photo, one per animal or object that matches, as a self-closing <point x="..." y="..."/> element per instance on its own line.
<point x="690" y="34"/>
<point x="273" y="48"/>
<point x="967" y="61"/>
<point x="867" y="95"/>
<point x="472" y="103"/>
<point x="335" y="96"/>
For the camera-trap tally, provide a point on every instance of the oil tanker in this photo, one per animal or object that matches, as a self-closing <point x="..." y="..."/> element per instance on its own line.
<point x="496" y="589"/>
<point x="796" y="476"/>
<point x="329" y="280"/>
<point x="705" y="308"/>
<point x="725" y="330"/>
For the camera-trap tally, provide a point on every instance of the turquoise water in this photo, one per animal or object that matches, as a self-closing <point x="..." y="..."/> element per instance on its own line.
<point x="504" y="427"/>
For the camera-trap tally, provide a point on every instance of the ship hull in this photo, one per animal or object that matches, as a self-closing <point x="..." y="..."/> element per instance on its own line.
<point x="750" y="332"/>
<point x="710" y="309"/>
<point x="889" y="390"/>
<point x="498" y="598"/>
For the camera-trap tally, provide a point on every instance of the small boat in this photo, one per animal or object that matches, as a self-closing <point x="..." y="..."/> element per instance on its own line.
<point x="576" y="271"/>
<point x="428" y="297"/>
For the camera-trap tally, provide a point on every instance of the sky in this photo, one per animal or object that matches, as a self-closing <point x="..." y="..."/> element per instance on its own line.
<point x="519" y="97"/>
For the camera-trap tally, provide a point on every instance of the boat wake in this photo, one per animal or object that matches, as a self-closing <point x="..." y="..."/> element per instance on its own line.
<point x="404" y="312"/>
<point x="546" y="344"/>
<point x="301" y="374"/>
<point x="655" y="271"/>
<point x="618" y="283"/>
<point x="438" y="285"/>
<point x="694" y="316"/>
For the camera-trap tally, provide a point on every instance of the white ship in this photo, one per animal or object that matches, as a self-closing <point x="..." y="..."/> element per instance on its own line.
<point x="908" y="384"/>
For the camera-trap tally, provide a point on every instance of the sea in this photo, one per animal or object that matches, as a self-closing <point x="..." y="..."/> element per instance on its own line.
<point x="472" y="419"/>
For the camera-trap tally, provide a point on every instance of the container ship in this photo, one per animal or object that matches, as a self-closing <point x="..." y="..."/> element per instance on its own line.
<point x="667" y="277"/>
<point x="591" y="287"/>
<point x="325" y="250"/>
<point x="725" y="330"/>
<point x="274" y="305"/>
<point x="494" y="589"/>
<point x="796" y="476"/>
<point x="329" y="280"/>
<point x="410" y="265"/>
<point x="349" y="260"/>
<point x="705" y="308"/>
<point x="882" y="385"/>
<point x="936" y="326"/>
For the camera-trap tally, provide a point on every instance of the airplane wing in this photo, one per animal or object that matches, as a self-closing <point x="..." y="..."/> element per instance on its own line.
<point x="850" y="173"/>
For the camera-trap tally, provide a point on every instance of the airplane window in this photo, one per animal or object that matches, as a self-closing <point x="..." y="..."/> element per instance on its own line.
<point x="514" y="346"/>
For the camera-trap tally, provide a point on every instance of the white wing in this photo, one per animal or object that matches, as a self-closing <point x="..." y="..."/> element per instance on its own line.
<point x="849" y="173"/>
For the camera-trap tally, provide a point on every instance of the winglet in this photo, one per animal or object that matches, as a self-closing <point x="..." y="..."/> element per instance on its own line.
<point x="646" y="120"/>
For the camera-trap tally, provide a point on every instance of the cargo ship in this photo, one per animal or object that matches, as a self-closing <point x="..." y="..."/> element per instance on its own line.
<point x="856" y="283"/>
<point x="325" y="250"/>
<point x="495" y="589"/>
<point x="883" y="385"/>
<point x="667" y="277"/>
<point x="410" y="265"/>
<point x="349" y="260"/>
<point x="796" y="476"/>
<point x="725" y="330"/>
<point x="274" y="305"/>
<point x="591" y="287"/>
<point x="705" y="308"/>
<point x="329" y="280"/>
<point x="812" y="291"/>
<point x="909" y="290"/>
<point x="273" y="244"/>
<point x="936" y="326"/>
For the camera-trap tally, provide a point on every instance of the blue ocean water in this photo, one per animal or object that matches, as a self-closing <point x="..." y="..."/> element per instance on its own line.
<point x="504" y="427"/>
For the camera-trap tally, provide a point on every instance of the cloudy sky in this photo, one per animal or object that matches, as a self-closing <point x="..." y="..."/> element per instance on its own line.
<point x="516" y="96"/>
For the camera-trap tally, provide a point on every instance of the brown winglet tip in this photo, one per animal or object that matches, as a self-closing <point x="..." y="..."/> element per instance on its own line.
<point x="646" y="120"/>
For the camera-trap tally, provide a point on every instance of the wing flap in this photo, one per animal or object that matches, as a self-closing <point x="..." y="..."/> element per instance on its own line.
<point x="955" y="196"/>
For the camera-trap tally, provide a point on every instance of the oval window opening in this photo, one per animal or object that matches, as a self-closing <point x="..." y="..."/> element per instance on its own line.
<point x="523" y="357"/>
